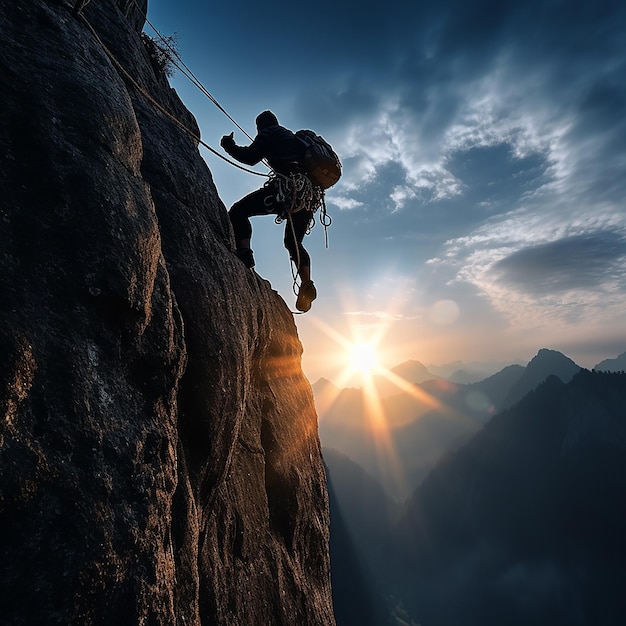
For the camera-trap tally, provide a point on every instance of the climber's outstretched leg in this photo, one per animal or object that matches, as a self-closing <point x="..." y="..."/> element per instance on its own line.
<point x="295" y="230"/>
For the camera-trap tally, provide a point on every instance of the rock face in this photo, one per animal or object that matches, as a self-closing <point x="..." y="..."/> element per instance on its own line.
<point x="159" y="455"/>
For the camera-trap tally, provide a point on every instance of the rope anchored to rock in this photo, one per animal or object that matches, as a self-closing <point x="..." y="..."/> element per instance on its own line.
<point x="150" y="99"/>
<point x="295" y="192"/>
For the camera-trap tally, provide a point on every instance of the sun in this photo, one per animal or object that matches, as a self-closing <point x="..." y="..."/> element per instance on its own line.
<point x="363" y="358"/>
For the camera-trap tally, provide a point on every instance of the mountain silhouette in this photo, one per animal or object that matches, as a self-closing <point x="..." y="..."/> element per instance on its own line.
<point x="362" y="516"/>
<point x="545" y="363"/>
<point x="525" y="523"/>
<point x="370" y="513"/>
<point x="424" y="426"/>
<point x="412" y="372"/>
<point x="464" y="377"/>
<point x="617" y="364"/>
<point x="496" y="388"/>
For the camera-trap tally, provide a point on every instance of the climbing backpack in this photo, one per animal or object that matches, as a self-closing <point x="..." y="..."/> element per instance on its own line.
<point x="321" y="162"/>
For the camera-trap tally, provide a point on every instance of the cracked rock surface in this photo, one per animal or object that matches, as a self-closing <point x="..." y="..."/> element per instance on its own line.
<point x="159" y="455"/>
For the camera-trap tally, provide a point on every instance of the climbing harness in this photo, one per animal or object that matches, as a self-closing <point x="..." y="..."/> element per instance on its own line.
<point x="297" y="191"/>
<point x="293" y="193"/>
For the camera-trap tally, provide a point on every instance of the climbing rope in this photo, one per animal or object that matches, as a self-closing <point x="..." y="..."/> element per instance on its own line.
<point x="182" y="67"/>
<point x="297" y="190"/>
<point x="79" y="6"/>
<point x="156" y="104"/>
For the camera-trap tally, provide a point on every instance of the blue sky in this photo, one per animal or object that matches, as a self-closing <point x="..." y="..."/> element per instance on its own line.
<point x="481" y="214"/>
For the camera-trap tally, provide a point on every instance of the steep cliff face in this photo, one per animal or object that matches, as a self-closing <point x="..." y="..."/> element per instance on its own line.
<point x="159" y="457"/>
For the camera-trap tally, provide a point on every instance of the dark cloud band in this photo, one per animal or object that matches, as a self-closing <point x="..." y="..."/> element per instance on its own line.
<point x="579" y="262"/>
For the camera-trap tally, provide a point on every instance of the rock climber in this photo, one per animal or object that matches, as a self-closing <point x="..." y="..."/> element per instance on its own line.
<point x="284" y="153"/>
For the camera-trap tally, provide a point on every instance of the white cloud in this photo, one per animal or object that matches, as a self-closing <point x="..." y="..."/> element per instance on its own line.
<point x="564" y="288"/>
<point x="400" y="194"/>
<point x="344" y="203"/>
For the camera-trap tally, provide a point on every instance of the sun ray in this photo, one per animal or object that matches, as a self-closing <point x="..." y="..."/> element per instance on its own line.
<point x="358" y="358"/>
<point x="387" y="457"/>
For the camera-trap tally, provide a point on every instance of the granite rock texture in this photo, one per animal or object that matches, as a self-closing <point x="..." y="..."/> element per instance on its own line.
<point x="159" y="455"/>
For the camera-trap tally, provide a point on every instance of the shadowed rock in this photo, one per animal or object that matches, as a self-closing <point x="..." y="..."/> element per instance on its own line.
<point x="159" y="453"/>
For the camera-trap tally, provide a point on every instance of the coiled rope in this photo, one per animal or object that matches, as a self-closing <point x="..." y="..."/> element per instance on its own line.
<point x="298" y="191"/>
<point x="295" y="193"/>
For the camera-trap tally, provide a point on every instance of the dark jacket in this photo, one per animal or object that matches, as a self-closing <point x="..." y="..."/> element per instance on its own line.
<point x="282" y="149"/>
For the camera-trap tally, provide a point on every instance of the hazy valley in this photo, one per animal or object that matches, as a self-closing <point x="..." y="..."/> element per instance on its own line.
<point x="512" y="504"/>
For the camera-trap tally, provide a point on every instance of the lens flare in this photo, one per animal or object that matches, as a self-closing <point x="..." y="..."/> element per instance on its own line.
<point x="444" y="312"/>
<point x="359" y="358"/>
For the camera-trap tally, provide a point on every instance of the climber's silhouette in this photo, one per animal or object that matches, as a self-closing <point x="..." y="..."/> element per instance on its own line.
<point x="284" y="152"/>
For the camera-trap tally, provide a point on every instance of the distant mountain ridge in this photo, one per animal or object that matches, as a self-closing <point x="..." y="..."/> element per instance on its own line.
<point x="358" y="521"/>
<point x="612" y="365"/>
<point x="362" y="516"/>
<point x="555" y="458"/>
<point x="474" y="370"/>
<point x="413" y="371"/>
<point x="424" y="426"/>
<point x="464" y="377"/>
<point x="497" y="387"/>
<point x="545" y="363"/>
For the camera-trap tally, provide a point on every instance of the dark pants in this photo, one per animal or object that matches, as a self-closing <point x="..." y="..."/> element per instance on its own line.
<point x="263" y="202"/>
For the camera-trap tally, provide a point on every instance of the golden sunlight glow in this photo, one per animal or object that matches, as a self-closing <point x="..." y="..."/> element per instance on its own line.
<point x="362" y="357"/>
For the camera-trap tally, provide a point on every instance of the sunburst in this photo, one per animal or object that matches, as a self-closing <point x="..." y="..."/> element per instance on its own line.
<point x="362" y="357"/>
<point x="360" y="354"/>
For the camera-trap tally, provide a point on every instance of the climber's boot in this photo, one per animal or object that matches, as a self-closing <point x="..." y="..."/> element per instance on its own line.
<point x="306" y="294"/>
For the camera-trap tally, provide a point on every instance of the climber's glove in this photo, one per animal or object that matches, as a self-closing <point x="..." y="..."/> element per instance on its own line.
<point x="228" y="141"/>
